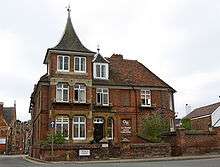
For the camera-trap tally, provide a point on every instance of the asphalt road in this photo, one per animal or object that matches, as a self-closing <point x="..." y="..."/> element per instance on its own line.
<point x="15" y="161"/>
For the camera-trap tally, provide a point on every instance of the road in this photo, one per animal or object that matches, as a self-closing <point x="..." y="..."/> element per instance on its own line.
<point x="16" y="161"/>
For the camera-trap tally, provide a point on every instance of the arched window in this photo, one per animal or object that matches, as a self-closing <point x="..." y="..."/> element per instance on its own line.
<point x="62" y="126"/>
<point x="110" y="128"/>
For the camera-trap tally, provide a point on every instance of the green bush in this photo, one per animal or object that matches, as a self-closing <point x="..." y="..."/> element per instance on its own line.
<point x="57" y="138"/>
<point x="186" y="123"/>
<point x="153" y="128"/>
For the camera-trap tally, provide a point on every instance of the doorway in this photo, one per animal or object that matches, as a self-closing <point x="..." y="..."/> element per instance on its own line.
<point x="98" y="129"/>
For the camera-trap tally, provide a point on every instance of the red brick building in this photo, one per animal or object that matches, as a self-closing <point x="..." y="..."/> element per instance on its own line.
<point x="92" y="98"/>
<point x="7" y="120"/>
<point x="205" y="117"/>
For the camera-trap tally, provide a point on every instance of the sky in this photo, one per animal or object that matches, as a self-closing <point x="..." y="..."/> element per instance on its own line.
<point x="176" y="39"/>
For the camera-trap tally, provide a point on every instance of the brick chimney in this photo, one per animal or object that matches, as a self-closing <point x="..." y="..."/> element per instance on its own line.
<point x="117" y="57"/>
<point x="1" y="109"/>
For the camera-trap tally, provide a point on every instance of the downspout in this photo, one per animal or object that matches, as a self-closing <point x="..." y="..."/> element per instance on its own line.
<point x="136" y="109"/>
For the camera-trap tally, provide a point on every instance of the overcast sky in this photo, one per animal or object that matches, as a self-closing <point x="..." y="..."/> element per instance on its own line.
<point x="177" y="39"/>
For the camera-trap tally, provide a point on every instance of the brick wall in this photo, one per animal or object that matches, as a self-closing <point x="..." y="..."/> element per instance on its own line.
<point x="97" y="152"/>
<point x="184" y="142"/>
<point x="201" y="123"/>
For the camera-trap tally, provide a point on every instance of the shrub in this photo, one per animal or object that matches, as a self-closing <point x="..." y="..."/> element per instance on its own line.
<point x="186" y="123"/>
<point x="57" y="138"/>
<point x="153" y="128"/>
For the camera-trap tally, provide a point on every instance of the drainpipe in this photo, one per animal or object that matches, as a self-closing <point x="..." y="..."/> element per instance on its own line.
<point x="136" y="108"/>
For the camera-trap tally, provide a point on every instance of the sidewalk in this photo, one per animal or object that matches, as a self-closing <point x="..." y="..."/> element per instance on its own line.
<point x="34" y="160"/>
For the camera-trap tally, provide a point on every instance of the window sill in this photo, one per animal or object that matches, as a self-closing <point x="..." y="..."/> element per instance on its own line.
<point x="77" y="103"/>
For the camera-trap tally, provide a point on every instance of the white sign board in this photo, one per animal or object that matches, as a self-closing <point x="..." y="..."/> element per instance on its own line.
<point x="104" y="145"/>
<point x="2" y="141"/>
<point x="84" y="152"/>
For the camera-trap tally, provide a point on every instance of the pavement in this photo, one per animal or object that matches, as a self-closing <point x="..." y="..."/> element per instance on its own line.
<point x="179" y="158"/>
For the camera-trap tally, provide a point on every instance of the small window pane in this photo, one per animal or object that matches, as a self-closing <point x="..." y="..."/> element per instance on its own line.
<point x="76" y="96"/>
<point x="65" y="95"/>
<point x="77" y="63"/>
<point x="83" y="66"/>
<point x="60" y="62"/>
<point x="82" y="130"/>
<point x="66" y="63"/>
<point x="75" y="129"/>
<point x="59" y="95"/>
<point x="76" y="119"/>
<point x="82" y="119"/>
<point x="103" y="71"/>
<point x="97" y="70"/>
<point x="105" y="99"/>
<point x="58" y="128"/>
<point x="65" y="130"/>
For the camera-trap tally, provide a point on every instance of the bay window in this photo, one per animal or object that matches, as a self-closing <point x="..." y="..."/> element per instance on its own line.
<point x="145" y="98"/>
<point x="80" y="93"/>
<point x="62" y="126"/>
<point x="79" y="128"/>
<point x="62" y="92"/>
<point x="102" y="96"/>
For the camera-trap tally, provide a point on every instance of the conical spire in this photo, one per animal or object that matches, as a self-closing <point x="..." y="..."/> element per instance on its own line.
<point x="70" y="41"/>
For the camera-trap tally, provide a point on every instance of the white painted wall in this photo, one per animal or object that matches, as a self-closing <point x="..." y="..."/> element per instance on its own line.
<point x="215" y="117"/>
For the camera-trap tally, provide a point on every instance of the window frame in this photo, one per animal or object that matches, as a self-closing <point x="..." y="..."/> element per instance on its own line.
<point x="62" y="123"/>
<point x="80" y="70"/>
<point x="146" y="99"/>
<point x="78" y="123"/>
<point x="79" y="88"/>
<point x="62" y="92"/>
<point x="100" y="71"/>
<point x="112" y="128"/>
<point x="58" y="63"/>
<point x="102" y="96"/>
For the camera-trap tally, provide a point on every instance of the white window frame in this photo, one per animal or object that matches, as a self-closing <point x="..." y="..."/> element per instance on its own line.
<point x="78" y="123"/>
<point x="172" y="125"/>
<point x="171" y="102"/>
<point x="112" y="126"/>
<point x="63" y="57"/>
<point x="62" y="122"/>
<point x="102" y="91"/>
<point x="147" y="100"/>
<point x="62" y="88"/>
<point x="80" y="70"/>
<point x="81" y="87"/>
<point x="106" y="72"/>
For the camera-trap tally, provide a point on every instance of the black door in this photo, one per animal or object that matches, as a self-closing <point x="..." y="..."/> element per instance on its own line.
<point x="98" y="132"/>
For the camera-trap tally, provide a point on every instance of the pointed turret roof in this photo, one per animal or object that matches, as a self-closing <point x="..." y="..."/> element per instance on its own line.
<point x="70" y="41"/>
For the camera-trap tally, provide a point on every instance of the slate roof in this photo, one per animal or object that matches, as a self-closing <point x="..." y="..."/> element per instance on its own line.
<point x="99" y="59"/>
<point x="202" y="111"/>
<point x="123" y="72"/>
<point x="9" y="114"/>
<point x="70" y="41"/>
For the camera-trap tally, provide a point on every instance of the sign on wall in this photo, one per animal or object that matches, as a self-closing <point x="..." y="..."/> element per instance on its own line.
<point x="2" y="140"/>
<point x="126" y="130"/>
<point x="84" y="152"/>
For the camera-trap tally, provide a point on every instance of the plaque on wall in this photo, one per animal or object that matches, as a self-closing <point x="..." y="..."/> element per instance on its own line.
<point x="84" y="152"/>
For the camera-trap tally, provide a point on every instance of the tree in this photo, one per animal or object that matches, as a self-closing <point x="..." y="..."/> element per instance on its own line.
<point x="186" y="123"/>
<point x="57" y="138"/>
<point x="153" y="128"/>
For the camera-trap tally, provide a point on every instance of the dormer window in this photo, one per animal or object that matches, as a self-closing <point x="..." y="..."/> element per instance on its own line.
<point x="63" y="63"/>
<point x="80" y="64"/>
<point x="100" y="71"/>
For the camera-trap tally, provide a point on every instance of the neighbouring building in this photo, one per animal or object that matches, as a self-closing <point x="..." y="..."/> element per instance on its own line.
<point x="205" y="117"/>
<point x="7" y="120"/>
<point x="91" y="98"/>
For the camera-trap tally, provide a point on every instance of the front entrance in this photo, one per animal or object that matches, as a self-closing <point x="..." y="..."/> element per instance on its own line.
<point x="98" y="129"/>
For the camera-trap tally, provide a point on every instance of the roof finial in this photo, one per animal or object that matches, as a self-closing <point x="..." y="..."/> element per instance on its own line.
<point x="98" y="48"/>
<point x="68" y="9"/>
